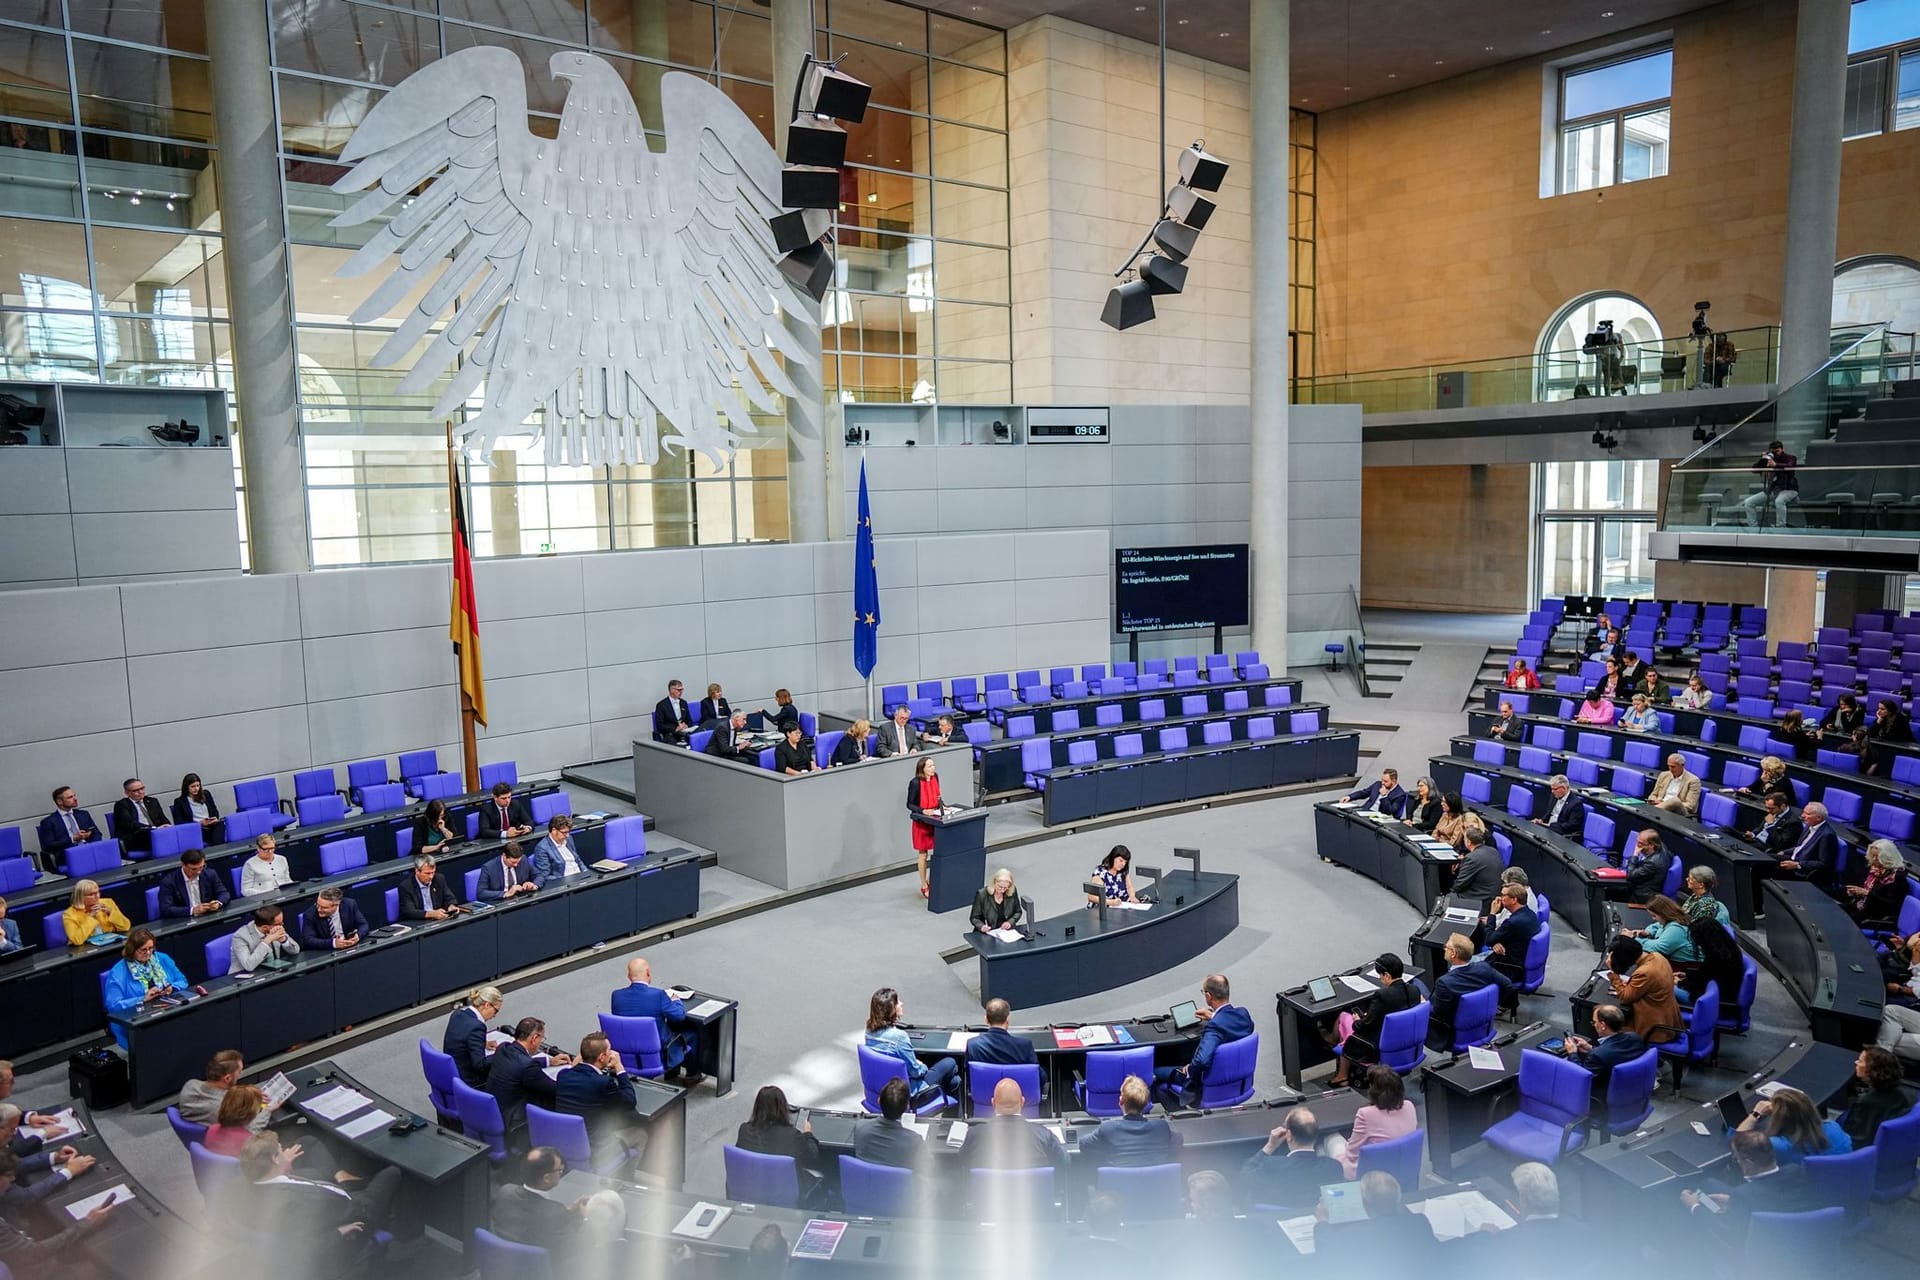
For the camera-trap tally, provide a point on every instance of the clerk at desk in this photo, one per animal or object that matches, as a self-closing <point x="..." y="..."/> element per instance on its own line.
<point x="1179" y="1086"/>
<point x="729" y="741"/>
<point x="789" y="757"/>
<point x="997" y="906"/>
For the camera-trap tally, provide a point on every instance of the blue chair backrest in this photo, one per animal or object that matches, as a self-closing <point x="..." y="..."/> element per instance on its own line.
<point x="1193" y="704"/>
<point x="314" y="782"/>
<point x="1520" y="801"/>
<point x="1490" y="753"/>
<point x="1186" y="663"/>
<point x="637" y="1041"/>
<point x="15" y="874"/>
<point x="1630" y="1092"/>
<point x="314" y="810"/>
<point x="418" y="764"/>
<point x="1553" y="1089"/>
<point x="1550" y="737"/>
<point x="219" y="955"/>
<point x="1539" y="948"/>
<point x="383" y="797"/>
<point x="1845" y="1180"/>
<point x="1106" y="1070"/>
<point x="566" y="1134"/>
<point x="824" y="744"/>
<point x="1084" y="751"/>
<point x="343" y="855"/>
<point x="1631" y="782"/>
<point x="875" y="1190"/>
<point x="95" y="856"/>
<point x="1229" y="1078"/>
<point x="259" y="793"/>
<point x="480" y="1118"/>
<point x="1641" y="755"/>
<point x="1595" y="746"/>
<point x="502" y="1259"/>
<point x="1476" y="787"/>
<point x="977" y="732"/>
<point x="1800" y="1237"/>
<point x="984" y="1077"/>
<point x="1173" y="739"/>
<point x="1216" y="732"/>
<point x="213" y="1173"/>
<point x="245" y="825"/>
<point x="1128" y="745"/>
<point x="997" y="680"/>
<point x="1398" y="1156"/>
<point x="1059" y="675"/>
<point x="507" y="771"/>
<point x="1152" y="709"/>
<point x="1891" y="821"/>
<point x="1702" y="1027"/>
<point x="171" y="842"/>
<point x="931" y="690"/>
<point x="1066" y="721"/>
<point x="891" y="696"/>
<point x="1842" y="805"/>
<point x="627" y="838"/>
<point x="1108" y="714"/>
<point x="1897" y="1144"/>
<point x="1717" y="810"/>
<point x="1019" y="726"/>
<point x="1155" y="666"/>
<point x="1473" y="1018"/>
<point x="184" y="1129"/>
<point x="875" y="1070"/>
<point x="1145" y="1191"/>
<point x="366" y="773"/>
<point x="1303" y="722"/>
<point x="1112" y="685"/>
<point x="1278" y="695"/>
<point x="390" y="903"/>
<point x="1036" y="755"/>
<point x="549" y="805"/>
<point x="1234" y="700"/>
<point x="1403" y="1038"/>
<point x="761" y="1179"/>
<point x="442" y="786"/>
<point x="1598" y="832"/>
<point x="1259" y="727"/>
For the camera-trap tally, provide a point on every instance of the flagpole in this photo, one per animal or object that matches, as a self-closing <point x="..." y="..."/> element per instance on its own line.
<point x="469" y="747"/>
<point x="873" y="716"/>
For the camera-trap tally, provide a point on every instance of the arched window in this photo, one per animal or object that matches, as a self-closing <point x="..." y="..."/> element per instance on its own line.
<point x="1877" y="289"/>
<point x="1562" y="365"/>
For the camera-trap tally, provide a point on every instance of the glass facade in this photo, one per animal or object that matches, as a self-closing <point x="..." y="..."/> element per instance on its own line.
<point x="1615" y="121"/>
<point x="1594" y="521"/>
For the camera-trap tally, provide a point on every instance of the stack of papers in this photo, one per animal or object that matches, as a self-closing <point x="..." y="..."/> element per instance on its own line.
<point x="277" y="1090"/>
<point x="957" y="1041"/>
<point x="1131" y="906"/>
<point x="70" y="1126"/>
<point x="1300" y="1232"/>
<point x="692" y="1225"/>
<point x="1352" y="983"/>
<point x="706" y="1008"/>
<point x="118" y="1194"/>
<point x="337" y="1103"/>
<point x="1095" y="1034"/>
<point x="362" y="1125"/>
<point x="1485" y="1059"/>
<point x="956" y="1133"/>
<point x="1462" y="1213"/>
<point x="1005" y="933"/>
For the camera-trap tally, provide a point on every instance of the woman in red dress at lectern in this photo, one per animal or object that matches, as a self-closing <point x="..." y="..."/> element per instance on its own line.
<point x="923" y="796"/>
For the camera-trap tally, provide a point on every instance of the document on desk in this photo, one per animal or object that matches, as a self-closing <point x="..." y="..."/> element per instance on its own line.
<point x="361" y="1126"/>
<point x="1485" y="1059"/>
<point x="118" y="1194"/>
<point x="497" y="1038"/>
<point x="1300" y="1232"/>
<point x="1353" y="983"/>
<point x="706" y="1008"/>
<point x="69" y="1126"/>
<point x="702" y="1220"/>
<point x="956" y="1133"/>
<point x="1130" y="906"/>
<point x="819" y="1238"/>
<point x="1005" y="934"/>
<point x="957" y="1041"/>
<point x="1095" y="1034"/>
<point x="1462" y="915"/>
<point x="337" y="1102"/>
<point x="1461" y="1214"/>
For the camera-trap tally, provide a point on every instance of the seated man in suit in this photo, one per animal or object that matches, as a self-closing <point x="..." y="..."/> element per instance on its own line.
<point x="896" y="737"/>
<point x="1008" y="1140"/>
<point x="135" y="815"/>
<point x="793" y="756"/>
<point x="1677" y="790"/>
<point x="673" y="720"/>
<point x="641" y="999"/>
<point x="784" y="713"/>
<point x="1180" y="1086"/>
<point x="1289" y="1170"/>
<point x="1781" y="829"/>
<point x="882" y="1139"/>
<point x="516" y="1074"/>
<point x="504" y="816"/>
<point x="308" y="1217"/>
<point x="555" y="858"/>
<point x="729" y="741"/>
<point x="943" y="734"/>
<point x="1613" y="1045"/>
<point x="1384" y="794"/>
<point x="570" y="1233"/>
<point x="1477" y="874"/>
<point x="1390" y="1240"/>
<point x="192" y="890"/>
<point x="1132" y="1138"/>
<point x="65" y="827"/>
<point x="1509" y="728"/>
<point x="1567" y="815"/>
<point x="1510" y="938"/>
<point x="1817" y="855"/>
<point x="334" y="923"/>
<point x="996" y="1045"/>
<point x="503" y="879"/>
<point x="598" y="1089"/>
<point x="1648" y="866"/>
<point x="1765" y="1187"/>
<point x="1464" y="975"/>
<point x="714" y="708"/>
<point x="425" y="896"/>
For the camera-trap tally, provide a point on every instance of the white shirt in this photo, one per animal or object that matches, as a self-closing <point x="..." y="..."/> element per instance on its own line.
<point x="198" y="808"/>
<point x="569" y="864"/>
<point x="309" y="1182"/>
<point x="193" y="890"/>
<point x="257" y="877"/>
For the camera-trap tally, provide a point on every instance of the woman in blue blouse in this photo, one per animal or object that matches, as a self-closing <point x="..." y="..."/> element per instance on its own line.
<point x="884" y="1037"/>
<point x="1116" y="875"/>
<point x="1640" y="717"/>
<point x="1794" y="1125"/>
<point x="1670" y="931"/>
<point x="142" y="976"/>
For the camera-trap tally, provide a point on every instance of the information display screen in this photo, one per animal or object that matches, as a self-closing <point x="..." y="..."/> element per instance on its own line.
<point x="1172" y="588"/>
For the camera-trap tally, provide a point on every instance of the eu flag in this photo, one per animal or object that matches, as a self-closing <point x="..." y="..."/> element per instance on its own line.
<point x="866" y="589"/>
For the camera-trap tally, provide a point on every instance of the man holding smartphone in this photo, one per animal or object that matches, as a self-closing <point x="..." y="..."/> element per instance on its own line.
<point x="1766" y="1188"/>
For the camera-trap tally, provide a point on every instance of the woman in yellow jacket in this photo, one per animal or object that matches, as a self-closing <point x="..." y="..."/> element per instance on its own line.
<point x="90" y="913"/>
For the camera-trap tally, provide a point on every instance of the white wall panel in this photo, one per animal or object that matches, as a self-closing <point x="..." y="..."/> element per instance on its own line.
<point x="212" y="682"/>
<point x="640" y="635"/>
<point x="120" y="544"/>
<point x="346" y="602"/>
<point x="734" y="625"/>
<point x="1059" y="643"/>
<point x="968" y="651"/>
<point x="631" y="689"/>
<point x="978" y="467"/>
<point x="642" y="580"/>
<point x="543" y="752"/>
<point x="222" y="749"/>
<point x="353" y="666"/>
<point x="63" y="701"/>
<point x="755" y="572"/>
<point x="39" y="549"/>
<point x="1059" y="599"/>
<point x="94" y="765"/>
<point x="528" y="587"/>
<point x="608" y="739"/>
<point x="152" y="480"/>
<point x="527" y="646"/>
<point x="60" y="625"/>
<point x="383" y="724"/>
<point x="547" y="701"/>
<point x="34" y="482"/>
<point x="1073" y="553"/>
<point x="964" y="510"/>
<point x="213" y="613"/>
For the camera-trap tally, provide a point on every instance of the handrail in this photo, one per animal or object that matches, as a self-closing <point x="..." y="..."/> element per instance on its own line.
<point x="1359" y="651"/>
<point x="1820" y="370"/>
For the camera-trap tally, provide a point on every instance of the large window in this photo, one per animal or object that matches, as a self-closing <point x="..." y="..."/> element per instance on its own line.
<point x="1568" y="363"/>
<point x="1883" y="70"/>
<point x="1615" y="119"/>
<point x="1595" y="518"/>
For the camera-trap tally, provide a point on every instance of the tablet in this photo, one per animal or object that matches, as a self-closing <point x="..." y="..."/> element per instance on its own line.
<point x="1184" y="1016"/>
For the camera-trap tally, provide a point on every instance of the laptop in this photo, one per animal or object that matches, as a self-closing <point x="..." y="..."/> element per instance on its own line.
<point x="1733" y="1109"/>
<point x="20" y="952"/>
<point x="1184" y="1016"/>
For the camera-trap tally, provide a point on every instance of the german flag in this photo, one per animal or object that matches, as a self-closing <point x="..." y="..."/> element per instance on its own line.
<point x="464" y="623"/>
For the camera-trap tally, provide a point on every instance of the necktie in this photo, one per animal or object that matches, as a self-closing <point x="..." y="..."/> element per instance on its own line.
<point x="333" y="921"/>
<point x="513" y="876"/>
<point x="1554" y="815"/>
<point x="193" y="892"/>
<point x="426" y="897"/>
<point x="140" y="812"/>
<point x="73" y="827"/>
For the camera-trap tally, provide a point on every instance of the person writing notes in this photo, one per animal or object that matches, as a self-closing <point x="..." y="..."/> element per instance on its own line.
<point x="998" y="905"/>
<point x="1115" y="876"/>
<point x="898" y="737"/>
<point x="923" y="798"/>
<point x="852" y="747"/>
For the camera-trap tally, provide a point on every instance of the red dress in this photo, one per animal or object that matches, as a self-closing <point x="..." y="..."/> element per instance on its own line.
<point x="929" y="799"/>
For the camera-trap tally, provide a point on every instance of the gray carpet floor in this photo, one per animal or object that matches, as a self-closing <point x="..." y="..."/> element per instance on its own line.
<point x="803" y="971"/>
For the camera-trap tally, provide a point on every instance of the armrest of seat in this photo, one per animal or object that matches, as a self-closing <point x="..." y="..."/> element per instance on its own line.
<point x="286" y="807"/>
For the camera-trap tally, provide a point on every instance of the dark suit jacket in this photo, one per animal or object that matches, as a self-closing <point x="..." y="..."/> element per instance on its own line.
<point x="1514" y="933"/>
<point x="1781" y="836"/>
<point x="1132" y="1141"/>
<point x="878" y="1140"/>
<point x="666" y="722"/>
<point x="1632" y="675"/>
<point x="638" y="1000"/>
<point x="126" y="823"/>
<point x="527" y="1217"/>
<point x="720" y="744"/>
<point x="996" y="1046"/>
<point x="1478" y="874"/>
<point x="1393" y="802"/>
<point x="1393" y="1245"/>
<point x="173" y="891"/>
<point x="1785" y="1191"/>
<point x="317" y="935"/>
<point x="1393" y="998"/>
<point x="780" y="717"/>
<point x="440" y="890"/>
<point x="1010" y="1142"/>
<point x="1290" y="1178"/>
<point x="1453" y="984"/>
<point x="797" y="756"/>
<point x="711" y="710"/>
<point x="1820" y="860"/>
<point x="782" y="1140"/>
<point x="1229" y="1023"/>
<point x="465" y="1041"/>
<point x="1616" y="1049"/>
<point x="849" y="750"/>
<point x="514" y="1078"/>
<point x="1573" y="816"/>
<point x="1648" y="876"/>
<point x="604" y="1100"/>
<point x="493" y="878"/>
<point x="305" y="1219"/>
<point x="518" y="815"/>
<point x="1508" y="730"/>
<point x="1423" y="816"/>
<point x="182" y="815"/>
<point x="53" y="832"/>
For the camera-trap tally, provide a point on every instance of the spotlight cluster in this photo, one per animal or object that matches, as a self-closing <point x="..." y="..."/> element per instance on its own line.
<point x="1164" y="268"/>
<point x="810" y="182"/>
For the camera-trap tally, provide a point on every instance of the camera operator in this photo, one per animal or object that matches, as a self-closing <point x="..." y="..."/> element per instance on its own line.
<point x="1609" y="353"/>
<point x="1778" y="484"/>
<point x="1723" y="356"/>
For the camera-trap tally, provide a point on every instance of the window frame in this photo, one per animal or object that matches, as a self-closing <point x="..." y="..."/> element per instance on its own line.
<point x="1618" y="116"/>
<point x="1893" y="55"/>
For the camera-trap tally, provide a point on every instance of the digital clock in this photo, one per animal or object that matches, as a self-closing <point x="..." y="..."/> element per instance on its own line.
<point x="1067" y="431"/>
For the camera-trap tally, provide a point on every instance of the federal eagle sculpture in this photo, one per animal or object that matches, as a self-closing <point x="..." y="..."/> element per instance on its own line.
<point x="588" y="275"/>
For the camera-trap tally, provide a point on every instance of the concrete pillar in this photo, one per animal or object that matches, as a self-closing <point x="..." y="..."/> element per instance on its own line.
<point x="806" y="445"/>
<point x="1790" y="598"/>
<point x="1270" y="47"/>
<point x="1813" y="189"/>
<point x="259" y="304"/>
<point x="1851" y="592"/>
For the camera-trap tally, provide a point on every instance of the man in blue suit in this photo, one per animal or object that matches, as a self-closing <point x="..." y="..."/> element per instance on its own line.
<point x="65" y="827"/>
<point x="1817" y="856"/>
<point x="1567" y="815"/>
<point x="1514" y="934"/>
<point x="1614" y="1046"/>
<point x="192" y="890"/>
<point x="1386" y="795"/>
<point x="503" y="879"/>
<point x="641" y="999"/>
<point x="1464" y="976"/>
<point x="599" y="1091"/>
<point x="1131" y="1139"/>
<point x="1179" y="1086"/>
<point x="555" y="858"/>
<point x="334" y="924"/>
<point x="996" y="1046"/>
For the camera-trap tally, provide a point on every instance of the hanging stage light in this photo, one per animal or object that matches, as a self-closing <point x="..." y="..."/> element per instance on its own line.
<point x="1189" y="208"/>
<point x="816" y="153"/>
<point x="1201" y="171"/>
<point x="1172" y="239"/>
<point x="1128" y="304"/>
<point x="1163" y="275"/>
<point x="799" y="228"/>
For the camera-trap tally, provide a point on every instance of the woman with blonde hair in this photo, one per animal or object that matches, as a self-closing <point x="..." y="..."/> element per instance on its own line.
<point x="1794" y="1125"/>
<point x="998" y="905"/>
<point x="853" y="745"/>
<point x="89" y="912"/>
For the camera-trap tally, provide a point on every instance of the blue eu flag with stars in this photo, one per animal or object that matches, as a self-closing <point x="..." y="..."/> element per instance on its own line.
<point x="866" y="588"/>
